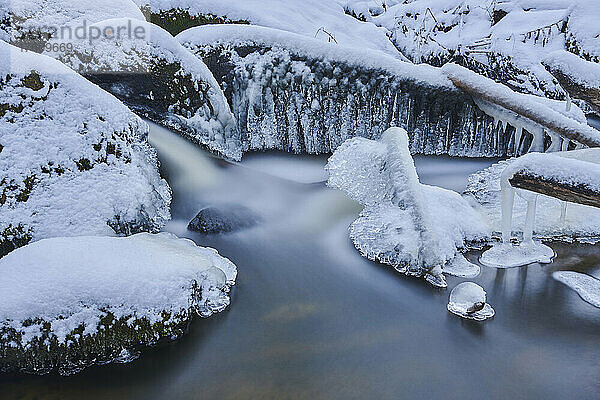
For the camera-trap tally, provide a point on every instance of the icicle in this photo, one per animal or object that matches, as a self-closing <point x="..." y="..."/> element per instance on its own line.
<point x="508" y="200"/>
<point x="563" y="212"/>
<point x="518" y="135"/>
<point x="565" y="145"/>
<point x="530" y="218"/>
<point x="538" y="141"/>
<point x="568" y="105"/>
<point x="555" y="144"/>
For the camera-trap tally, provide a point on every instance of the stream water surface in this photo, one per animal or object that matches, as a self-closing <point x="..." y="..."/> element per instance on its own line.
<point x="311" y="319"/>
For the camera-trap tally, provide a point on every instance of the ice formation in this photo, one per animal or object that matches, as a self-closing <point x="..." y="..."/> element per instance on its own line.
<point x="297" y="94"/>
<point x="492" y="188"/>
<point x="586" y="286"/>
<point x="468" y="300"/>
<point x="72" y="302"/>
<point x="504" y="40"/>
<point x="154" y="75"/>
<point x="73" y="159"/>
<point x="415" y="228"/>
<point x="324" y="20"/>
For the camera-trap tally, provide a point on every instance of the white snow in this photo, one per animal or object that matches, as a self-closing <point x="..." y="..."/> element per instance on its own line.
<point x="309" y="18"/>
<point x="413" y="227"/>
<point x="586" y="286"/>
<point x="212" y="124"/>
<point x="239" y="35"/>
<point x="583" y="28"/>
<point x="69" y="281"/>
<point x="508" y="255"/>
<point x="533" y="111"/>
<point x="584" y="72"/>
<point x="466" y="295"/>
<point x="67" y="120"/>
<point x="461" y="267"/>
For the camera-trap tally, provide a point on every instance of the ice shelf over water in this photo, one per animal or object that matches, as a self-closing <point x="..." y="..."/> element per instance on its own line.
<point x="415" y="228"/>
<point x="586" y="286"/>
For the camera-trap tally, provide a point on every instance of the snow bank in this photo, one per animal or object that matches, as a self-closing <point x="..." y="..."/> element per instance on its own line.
<point x="71" y="302"/>
<point x="297" y="94"/>
<point x="585" y="73"/>
<point x="29" y="23"/>
<point x="415" y="228"/>
<point x="587" y="287"/>
<point x="552" y="220"/>
<point x="324" y="20"/>
<point x="155" y="76"/>
<point x="583" y="31"/>
<point x="73" y="159"/>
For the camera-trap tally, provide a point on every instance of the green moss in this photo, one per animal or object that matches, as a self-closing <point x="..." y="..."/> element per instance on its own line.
<point x="14" y="237"/>
<point x="83" y="164"/>
<point x="29" y="182"/>
<point x="33" y="81"/>
<point x="177" y="20"/>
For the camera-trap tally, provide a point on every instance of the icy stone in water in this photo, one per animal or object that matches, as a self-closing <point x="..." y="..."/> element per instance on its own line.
<point x="467" y="300"/>
<point x="461" y="267"/>
<point x="586" y="286"/>
<point x="507" y="255"/>
<point x="223" y="219"/>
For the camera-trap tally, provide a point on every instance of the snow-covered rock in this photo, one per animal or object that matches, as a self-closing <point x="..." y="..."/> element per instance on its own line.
<point x="468" y="300"/>
<point x="415" y="228"/>
<point x="29" y="24"/>
<point x="298" y="94"/>
<point x="68" y="303"/>
<point x="553" y="218"/>
<point x="583" y="30"/>
<point x="324" y="20"/>
<point x="73" y="159"/>
<point x="146" y="68"/>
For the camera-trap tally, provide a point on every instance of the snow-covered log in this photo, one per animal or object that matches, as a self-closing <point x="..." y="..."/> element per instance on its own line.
<point x="297" y="94"/>
<point x="572" y="176"/>
<point x="415" y="228"/>
<point x="30" y="24"/>
<point x="536" y="114"/>
<point x="580" y="78"/>
<point x="73" y="159"/>
<point x="146" y="68"/>
<point x="68" y="303"/>
<point x="325" y="21"/>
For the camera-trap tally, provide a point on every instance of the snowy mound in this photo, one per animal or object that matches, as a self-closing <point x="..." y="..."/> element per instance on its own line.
<point x="29" y="24"/>
<point x="294" y="93"/>
<point x="415" y="228"/>
<point x="468" y="300"/>
<point x="73" y="302"/>
<point x="73" y="159"/>
<point x="146" y="68"/>
<point x="577" y="222"/>
<point x="504" y="40"/>
<point x="321" y="19"/>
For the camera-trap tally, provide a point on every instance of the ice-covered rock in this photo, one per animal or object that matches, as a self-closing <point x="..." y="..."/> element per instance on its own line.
<point x="147" y="69"/>
<point x="223" y="218"/>
<point x="30" y="24"/>
<point x="68" y="303"/>
<point x="586" y="286"/>
<point x="468" y="300"/>
<point x="583" y="31"/>
<point x="415" y="228"/>
<point x="324" y="20"/>
<point x="294" y="93"/>
<point x="73" y="159"/>
<point x="461" y="267"/>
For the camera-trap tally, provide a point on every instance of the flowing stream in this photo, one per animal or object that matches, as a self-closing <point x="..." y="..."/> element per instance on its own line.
<point x="311" y="319"/>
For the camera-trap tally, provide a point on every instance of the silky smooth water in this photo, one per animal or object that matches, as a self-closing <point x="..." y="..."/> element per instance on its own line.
<point x="311" y="319"/>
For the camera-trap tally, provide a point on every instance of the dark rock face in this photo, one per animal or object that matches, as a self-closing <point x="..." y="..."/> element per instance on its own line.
<point x="285" y="101"/>
<point x="223" y="219"/>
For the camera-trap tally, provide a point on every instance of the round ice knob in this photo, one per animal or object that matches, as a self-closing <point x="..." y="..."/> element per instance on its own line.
<point x="468" y="300"/>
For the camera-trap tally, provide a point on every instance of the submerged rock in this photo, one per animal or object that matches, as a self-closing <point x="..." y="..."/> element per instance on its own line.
<point x="468" y="300"/>
<point x="223" y="219"/>
<point x="73" y="159"/>
<point x="68" y="303"/>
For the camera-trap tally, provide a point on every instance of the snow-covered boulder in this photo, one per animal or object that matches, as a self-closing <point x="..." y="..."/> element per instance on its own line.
<point x="583" y="30"/>
<point x="415" y="228"/>
<point x="147" y="69"/>
<point x="68" y="303"/>
<point x="324" y="20"/>
<point x="294" y="93"/>
<point x="31" y="23"/>
<point x="73" y="159"/>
